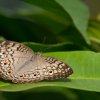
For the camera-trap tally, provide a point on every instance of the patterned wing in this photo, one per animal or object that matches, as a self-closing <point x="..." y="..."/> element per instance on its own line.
<point x="55" y="69"/>
<point x="31" y="71"/>
<point x="20" y="64"/>
<point x="43" y="68"/>
<point x="12" y="56"/>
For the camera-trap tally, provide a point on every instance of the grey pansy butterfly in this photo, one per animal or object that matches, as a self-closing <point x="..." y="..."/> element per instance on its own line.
<point x="20" y="64"/>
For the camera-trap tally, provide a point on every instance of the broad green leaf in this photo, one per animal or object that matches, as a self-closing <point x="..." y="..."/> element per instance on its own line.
<point x="79" y="14"/>
<point x="54" y="15"/>
<point x="51" y="6"/>
<point x="61" y="8"/>
<point x="86" y="76"/>
<point x="20" y="9"/>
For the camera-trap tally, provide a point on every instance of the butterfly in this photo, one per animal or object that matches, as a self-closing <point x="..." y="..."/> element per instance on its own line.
<point x="20" y="64"/>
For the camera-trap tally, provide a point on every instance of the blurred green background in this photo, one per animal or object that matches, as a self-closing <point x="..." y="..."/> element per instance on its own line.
<point x="51" y="26"/>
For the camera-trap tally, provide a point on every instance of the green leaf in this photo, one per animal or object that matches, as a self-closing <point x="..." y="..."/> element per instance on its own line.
<point x="86" y="76"/>
<point x="79" y="14"/>
<point x="20" y="9"/>
<point x="62" y="8"/>
<point x="54" y="15"/>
